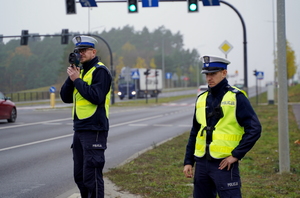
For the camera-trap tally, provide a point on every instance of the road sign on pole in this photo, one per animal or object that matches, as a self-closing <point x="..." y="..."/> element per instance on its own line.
<point x="88" y="3"/>
<point x="150" y="3"/>
<point x="52" y="89"/>
<point x="211" y="2"/>
<point x="168" y="75"/>
<point x="226" y="47"/>
<point x="260" y="75"/>
<point x="135" y="75"/>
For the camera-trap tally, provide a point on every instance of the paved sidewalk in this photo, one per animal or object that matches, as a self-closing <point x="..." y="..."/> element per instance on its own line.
<point x="111" y="191"/>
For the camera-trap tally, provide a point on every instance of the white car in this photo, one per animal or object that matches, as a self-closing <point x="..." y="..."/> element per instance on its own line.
<point x="201" y="89"/>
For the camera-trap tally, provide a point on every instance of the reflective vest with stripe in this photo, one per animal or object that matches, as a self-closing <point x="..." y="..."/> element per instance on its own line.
<point x="227" y="132"/>
<point x="84" y="108"/>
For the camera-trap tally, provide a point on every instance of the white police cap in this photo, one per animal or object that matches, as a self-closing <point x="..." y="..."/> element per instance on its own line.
<point x="82" y="42"/>
<point x="213" y="64"/>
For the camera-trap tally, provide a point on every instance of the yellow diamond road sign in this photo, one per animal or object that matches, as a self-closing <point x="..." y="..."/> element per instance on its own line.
<point x="225" y="47"/>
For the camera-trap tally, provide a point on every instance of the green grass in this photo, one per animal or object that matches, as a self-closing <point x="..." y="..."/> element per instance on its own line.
<point x="151" y="101"/>
<point x="293" y="95"/>
<point x="158" y="172"/>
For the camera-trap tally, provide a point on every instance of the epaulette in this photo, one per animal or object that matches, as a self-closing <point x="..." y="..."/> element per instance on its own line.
<point x="237" y="90"/>
<point x="98" y="66"/>
<point x="202" y="93"/>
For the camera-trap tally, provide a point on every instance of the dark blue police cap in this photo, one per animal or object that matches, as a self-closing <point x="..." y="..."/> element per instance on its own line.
<point x="213" y="64"/>
<point x="82" y="42"/>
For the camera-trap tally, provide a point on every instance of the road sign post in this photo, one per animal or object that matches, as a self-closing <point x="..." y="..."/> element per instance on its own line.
<point x="127" y="78"/>
<point x="52" y="96"/>
<point x="135" y="76"/>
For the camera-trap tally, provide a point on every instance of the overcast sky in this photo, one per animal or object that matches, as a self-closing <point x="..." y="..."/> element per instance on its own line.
<point x="204" y="31"/>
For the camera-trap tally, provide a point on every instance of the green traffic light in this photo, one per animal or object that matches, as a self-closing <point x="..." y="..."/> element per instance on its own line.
<point x="193" y="7"/>
<point x="132" y="8"/>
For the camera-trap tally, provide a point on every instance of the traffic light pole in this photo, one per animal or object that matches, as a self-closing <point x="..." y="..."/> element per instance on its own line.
<point x="111" y="58"/>
<point x="146" y="82"/>
<point x="27" y="35"/>
<point x="244" y="44"/>
<point x="221" y="1"/>
<point x="111" y="67"/>
<point x="256" y="90"/>
<point x="156" y="93"/>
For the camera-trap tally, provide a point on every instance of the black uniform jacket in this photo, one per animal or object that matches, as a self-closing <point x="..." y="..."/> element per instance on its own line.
<point x="95" y="93"/>
<point x="245" y="115"/>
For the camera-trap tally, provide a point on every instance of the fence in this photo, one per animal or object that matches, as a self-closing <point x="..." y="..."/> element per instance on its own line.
<point x="30" y="96"/>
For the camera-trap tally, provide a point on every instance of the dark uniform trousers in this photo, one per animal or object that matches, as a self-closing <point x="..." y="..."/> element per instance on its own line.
<point x="89" y="160"/>
<point x="209" y="180"/>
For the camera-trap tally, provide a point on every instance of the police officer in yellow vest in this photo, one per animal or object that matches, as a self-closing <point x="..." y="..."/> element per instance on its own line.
<point x="88" y="88"/>
<point x="225" y="127"/>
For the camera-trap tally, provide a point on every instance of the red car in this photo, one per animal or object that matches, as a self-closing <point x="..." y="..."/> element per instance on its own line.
<point x="8" y="109"/>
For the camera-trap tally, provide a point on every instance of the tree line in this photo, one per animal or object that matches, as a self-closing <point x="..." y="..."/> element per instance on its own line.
<point x="43" y="61"/>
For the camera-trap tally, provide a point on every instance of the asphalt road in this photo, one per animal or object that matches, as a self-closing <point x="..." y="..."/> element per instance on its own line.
<point x="36" y="159"/>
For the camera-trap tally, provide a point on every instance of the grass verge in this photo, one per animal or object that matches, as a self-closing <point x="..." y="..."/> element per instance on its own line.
<point x="158" y="172"/>
<point x="151" y="101"/>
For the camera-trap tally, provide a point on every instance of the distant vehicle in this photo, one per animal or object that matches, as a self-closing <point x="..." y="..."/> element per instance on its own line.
<point x="240" y="86"/>
<point x="201" y="89"/>
<point x="137" y="85"/>
<point x="8" y="109"/>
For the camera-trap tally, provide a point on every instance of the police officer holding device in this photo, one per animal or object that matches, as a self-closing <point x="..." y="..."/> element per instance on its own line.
<point x="225" y="127"/>
<point x="88" y="88"/>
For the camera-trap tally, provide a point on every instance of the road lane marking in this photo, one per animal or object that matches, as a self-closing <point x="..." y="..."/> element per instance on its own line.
<point x="184" y="125"/>
<point x="138" y="125"/>
<point x="143" y="119"/>
<point x="34" y="123"/>
<point x="64" y="136"/>
<point x="163" y="125"/>
<point x="36" y="142"/>
<point x="52" y="123"/>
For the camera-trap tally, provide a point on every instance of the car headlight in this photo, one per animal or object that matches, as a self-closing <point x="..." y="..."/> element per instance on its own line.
<point x="133" y="93"/>
<point x="119" y="93"/>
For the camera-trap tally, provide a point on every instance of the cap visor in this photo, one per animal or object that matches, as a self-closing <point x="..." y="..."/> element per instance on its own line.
<point x="210" y="71"/>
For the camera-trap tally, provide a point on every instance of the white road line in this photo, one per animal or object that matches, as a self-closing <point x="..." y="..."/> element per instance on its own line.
<point x="36" y="142"/>
<point x="52" y="123"/>
<point x="149" y="118"/>
<point x="184" y="125"/>
<point x="64" y="136"/>
<point x="163" y="125"/>
<point x="34" y="123"/>
<point x="138" y="125"/>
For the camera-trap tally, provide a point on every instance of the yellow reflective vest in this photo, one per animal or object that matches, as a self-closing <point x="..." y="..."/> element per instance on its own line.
<point x="84" y="108"/>
<point x="227" y="132"/>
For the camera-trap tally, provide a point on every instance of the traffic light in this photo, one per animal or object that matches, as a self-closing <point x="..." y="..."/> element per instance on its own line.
<point x="147" y="72"/>
<point x="65" y="36"/>
<point x="71" y="6"/>
<point x="132" y="6"/>
<point x="24" y="37"/>
<point x="255" y="72"/>
<point x="192" y="5"/>
<point x="156" y="73"/>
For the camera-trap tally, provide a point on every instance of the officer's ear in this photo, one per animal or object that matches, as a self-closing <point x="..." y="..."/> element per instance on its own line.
<point x="224" y="73"/>
<point x="94" y="51"/>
